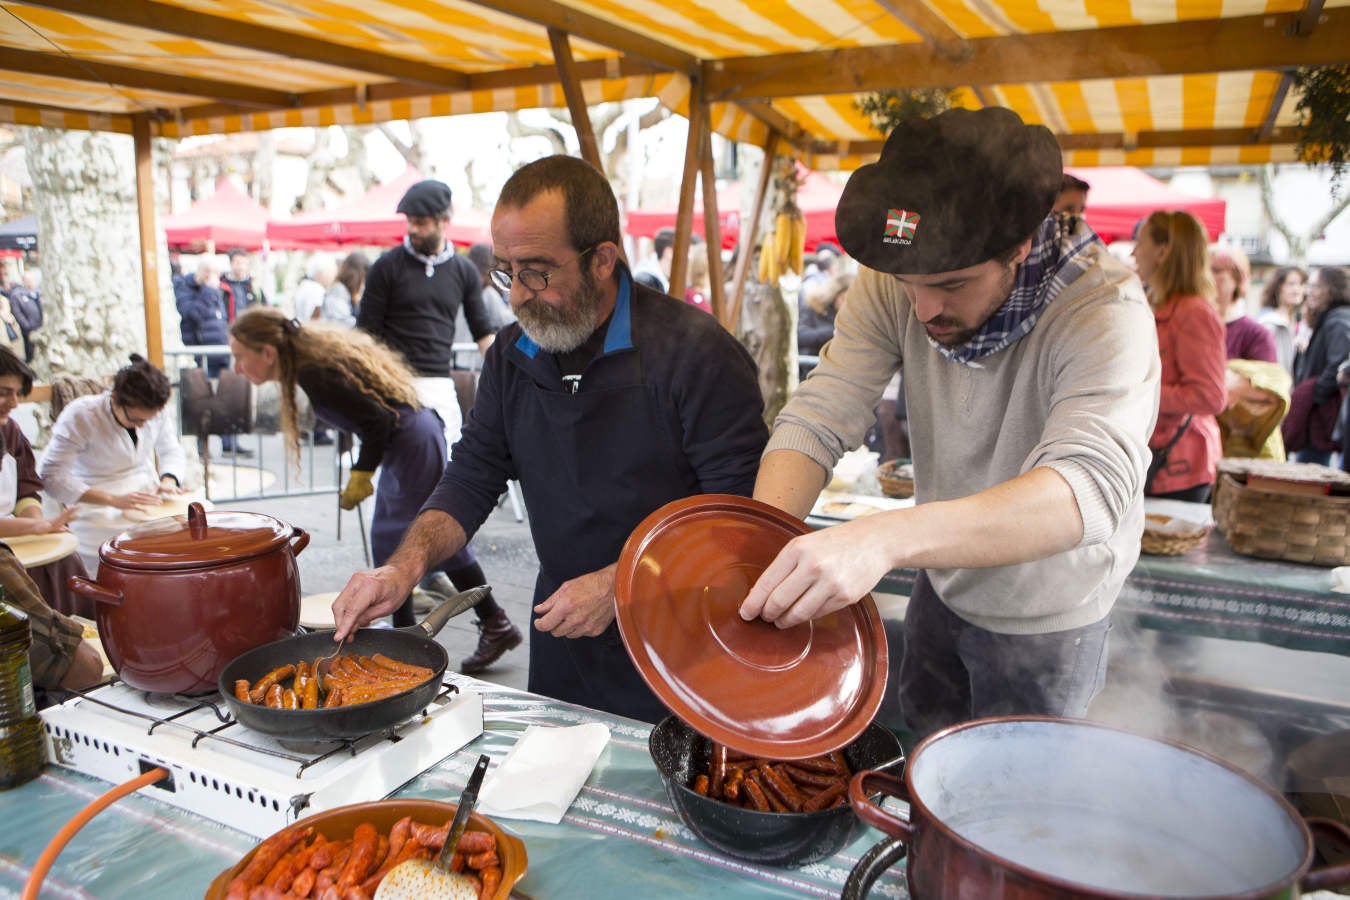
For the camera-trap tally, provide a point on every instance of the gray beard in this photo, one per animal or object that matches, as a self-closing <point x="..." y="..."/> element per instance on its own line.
<point x="558" y="330"/>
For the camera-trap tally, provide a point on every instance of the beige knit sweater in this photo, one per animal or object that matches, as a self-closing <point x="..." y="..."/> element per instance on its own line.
<point x="1078" y="394"/>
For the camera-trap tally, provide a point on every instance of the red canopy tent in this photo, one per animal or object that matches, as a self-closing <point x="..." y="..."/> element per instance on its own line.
<point x="371" y="221"/>
<point x="227" y="219"/>
<point x="1122" y="195"/>
<point x="817" y="197"/>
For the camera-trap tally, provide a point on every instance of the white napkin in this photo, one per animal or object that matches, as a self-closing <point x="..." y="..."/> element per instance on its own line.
<point x="543" y="773"/>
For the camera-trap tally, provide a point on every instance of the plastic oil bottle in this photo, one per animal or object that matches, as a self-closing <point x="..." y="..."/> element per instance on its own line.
<point x="23" y="749"/>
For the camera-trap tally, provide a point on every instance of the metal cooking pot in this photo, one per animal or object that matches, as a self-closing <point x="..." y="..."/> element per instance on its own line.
<point x="1036" y="807"/>
<point x="179" y="597"/>
<point x="767" y="838"/>
<point x="412" y="645"/>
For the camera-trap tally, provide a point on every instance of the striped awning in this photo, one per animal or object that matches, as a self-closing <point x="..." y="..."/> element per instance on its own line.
<point x="1135" y="82"/>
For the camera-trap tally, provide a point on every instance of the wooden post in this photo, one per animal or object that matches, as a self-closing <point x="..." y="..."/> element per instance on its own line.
<point x="145" y="215"/>
<point x="750" y="233"/>
<point x="712" y="226"/>
<point x="684" y="219"/>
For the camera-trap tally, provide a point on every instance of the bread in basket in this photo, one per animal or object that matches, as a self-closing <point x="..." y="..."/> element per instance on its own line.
<point x="896" y="478"/>
<point x="1171" y="536"/>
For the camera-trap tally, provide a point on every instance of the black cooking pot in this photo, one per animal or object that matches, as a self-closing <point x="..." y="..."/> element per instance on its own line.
<point x="1036" y="808"/>
<point x="412" y="645"/>
<point x="768" y="838"/>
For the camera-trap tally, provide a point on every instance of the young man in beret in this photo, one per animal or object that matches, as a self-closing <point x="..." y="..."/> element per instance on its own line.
<point x="1031" y="376"/>
<point x="413" y="293"/>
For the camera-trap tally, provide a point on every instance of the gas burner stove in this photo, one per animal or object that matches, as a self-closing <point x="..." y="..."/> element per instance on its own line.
<point x="240" y="777"/>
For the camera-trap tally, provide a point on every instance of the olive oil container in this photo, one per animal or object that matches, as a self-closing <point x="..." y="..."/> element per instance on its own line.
<point x="23" y="748"/>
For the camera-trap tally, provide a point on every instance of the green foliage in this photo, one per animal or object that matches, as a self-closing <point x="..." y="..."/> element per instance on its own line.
<point x="886" y="109"/>
<point x="1324" y="117"/>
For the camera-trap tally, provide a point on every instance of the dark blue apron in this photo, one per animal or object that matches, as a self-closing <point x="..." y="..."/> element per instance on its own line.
<point x="593" y="465"/>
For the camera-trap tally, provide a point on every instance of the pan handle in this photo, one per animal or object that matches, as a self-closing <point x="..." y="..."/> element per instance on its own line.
<point x="1331" y="877"/>
<point x="870" y="782"/>
<point x="95" y="591"/>
<point x="299" y="540"/>
<point x="457" y="604"/>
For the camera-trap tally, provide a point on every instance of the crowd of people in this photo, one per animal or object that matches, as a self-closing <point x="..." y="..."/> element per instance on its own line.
<point x="1041" y="387"/>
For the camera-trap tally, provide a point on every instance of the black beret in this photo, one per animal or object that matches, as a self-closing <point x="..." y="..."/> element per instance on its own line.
<point x="426" y="198"/>
<point x="950" y="192"/>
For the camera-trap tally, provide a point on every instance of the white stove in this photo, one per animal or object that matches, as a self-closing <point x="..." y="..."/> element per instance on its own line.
<point x="240" y="777"/>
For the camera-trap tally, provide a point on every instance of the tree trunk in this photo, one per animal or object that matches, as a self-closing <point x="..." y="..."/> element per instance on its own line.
<point x="93" y="306"/>
<point x="768" y="330"/>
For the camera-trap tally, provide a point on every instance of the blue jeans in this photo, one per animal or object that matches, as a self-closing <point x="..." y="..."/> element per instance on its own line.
<point x="953" y="671"/>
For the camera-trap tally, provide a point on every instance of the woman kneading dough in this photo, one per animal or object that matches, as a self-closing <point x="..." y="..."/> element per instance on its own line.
<point x="114" y="452"/>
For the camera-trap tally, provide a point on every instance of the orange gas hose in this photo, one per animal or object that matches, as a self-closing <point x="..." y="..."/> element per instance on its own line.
<point x="71" y="828"/>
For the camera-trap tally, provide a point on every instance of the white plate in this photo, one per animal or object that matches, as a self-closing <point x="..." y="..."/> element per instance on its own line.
<point x="842" y="507"/>
<point x="40" y="549"/>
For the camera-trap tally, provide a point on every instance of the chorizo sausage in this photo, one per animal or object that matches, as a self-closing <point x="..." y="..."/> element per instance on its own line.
<point x="365" y="840"/>
<point x="267" y="854"/>
<point x="259" y="690"/>
<point x="826" y="797"/>
<point x="241" y="690"/>
<point x="274" y="695"/>
<point x="718" y="776"/>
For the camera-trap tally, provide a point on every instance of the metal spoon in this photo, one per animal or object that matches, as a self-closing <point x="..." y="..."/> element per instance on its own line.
<point x="418" y="879"/>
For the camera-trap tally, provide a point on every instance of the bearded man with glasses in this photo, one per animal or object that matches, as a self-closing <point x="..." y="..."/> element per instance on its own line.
<point x="606" y="400"/>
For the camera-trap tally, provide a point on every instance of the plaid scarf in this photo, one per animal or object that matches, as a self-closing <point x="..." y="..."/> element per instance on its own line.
<point x="1057" y="257"/>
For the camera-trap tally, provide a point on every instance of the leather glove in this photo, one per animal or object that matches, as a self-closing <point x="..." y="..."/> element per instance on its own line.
<point x="358" y="488"/>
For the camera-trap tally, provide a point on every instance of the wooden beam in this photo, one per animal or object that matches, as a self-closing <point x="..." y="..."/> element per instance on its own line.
<point x="920" y="18"/>
<point x="1308" y="18"/>
<point x="684" y="217"/>
<point x="576" y="100"/>
<point x="1210" y="137"/>
<point x="745" y="245"/>
<point x="237" y="32"/>
<point x="527" y="76"/>
<point x="1211" y="45"/>
<point x="551" y="14"/>
<point x="82" y="69"/>
<point x="712" y="226"/>
<point x="145" y="217"/>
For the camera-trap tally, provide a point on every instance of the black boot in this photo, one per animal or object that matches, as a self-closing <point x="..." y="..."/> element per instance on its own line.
<point x="496" y="635"/>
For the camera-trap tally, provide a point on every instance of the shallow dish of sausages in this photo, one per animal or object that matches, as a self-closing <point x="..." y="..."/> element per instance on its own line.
<point x="359" y="843"/>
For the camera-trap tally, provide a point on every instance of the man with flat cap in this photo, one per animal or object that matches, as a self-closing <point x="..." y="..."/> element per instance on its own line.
<point x="413" y="293"/>
<point x="1031" y="375"/>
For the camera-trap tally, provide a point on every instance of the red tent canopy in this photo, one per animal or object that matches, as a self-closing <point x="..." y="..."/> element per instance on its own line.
<point x="371" y="221"/>
<point x="228" y="218"/>
<point x="1122" y="195"/>
<point x="817" y="197"/>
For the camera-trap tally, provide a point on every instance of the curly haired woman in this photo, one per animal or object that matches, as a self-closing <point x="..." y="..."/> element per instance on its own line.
<point x="361" y="386"/>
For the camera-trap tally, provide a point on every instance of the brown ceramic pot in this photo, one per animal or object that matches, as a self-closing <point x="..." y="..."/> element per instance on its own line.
<point x="179" y="597"/>
<point x="1034" y="808"/>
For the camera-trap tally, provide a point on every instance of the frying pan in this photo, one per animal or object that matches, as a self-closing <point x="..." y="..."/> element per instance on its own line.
<point x="412" y="645"/>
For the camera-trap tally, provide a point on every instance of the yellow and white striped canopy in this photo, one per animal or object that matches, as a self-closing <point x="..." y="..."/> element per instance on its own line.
<point x="1138" y="82"/>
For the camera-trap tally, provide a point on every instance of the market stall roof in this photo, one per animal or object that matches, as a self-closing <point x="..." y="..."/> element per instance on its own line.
<point x="1119" y="81"/>
<point x="227" y="219"/>
<point x="19" y="234"/>
<point x="370" y="221"/>
<point x="1119" y="197"/>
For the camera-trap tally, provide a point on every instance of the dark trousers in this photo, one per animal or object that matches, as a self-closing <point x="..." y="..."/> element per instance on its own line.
<point x="953" y="671"/>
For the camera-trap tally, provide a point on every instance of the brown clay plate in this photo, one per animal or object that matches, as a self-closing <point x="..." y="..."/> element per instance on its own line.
<point x="339" y="824"/>
<point x="778" y="693"/>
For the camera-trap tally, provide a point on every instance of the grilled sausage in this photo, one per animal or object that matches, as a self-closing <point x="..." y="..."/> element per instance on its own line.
<point x="267" y="854"/>
<point x="259" y="690"/>
<point x="365" y="841"/>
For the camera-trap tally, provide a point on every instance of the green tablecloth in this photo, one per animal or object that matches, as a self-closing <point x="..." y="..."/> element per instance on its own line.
<point x="619" y="839"/>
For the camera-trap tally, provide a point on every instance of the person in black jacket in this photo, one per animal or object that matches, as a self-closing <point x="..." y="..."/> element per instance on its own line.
<point x="203" y="321"/>
<point x="25" y="301"/>
<point x="605" y="400"/>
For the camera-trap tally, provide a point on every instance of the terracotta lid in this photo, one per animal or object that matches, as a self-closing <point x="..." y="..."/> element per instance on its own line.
<point x="195" y="540"/>
<point x="782" y="694"/>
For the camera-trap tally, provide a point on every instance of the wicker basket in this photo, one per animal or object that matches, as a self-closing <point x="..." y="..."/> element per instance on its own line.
<point x="894" y="484"/>
<point x="1277" y="525"/>
<point x="1161" y="540"/>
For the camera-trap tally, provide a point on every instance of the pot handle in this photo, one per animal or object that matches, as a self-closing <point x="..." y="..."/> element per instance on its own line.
<point x="196" y="515"/>
<point x="299" y="541"/>
<point x="868" y="782"/>
<point x="869" y="867"/>
<point x="1331" y="877"/>
<point x="95" y="591"/>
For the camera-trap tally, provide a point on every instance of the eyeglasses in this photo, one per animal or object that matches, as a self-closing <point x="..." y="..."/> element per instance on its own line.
<point x="533" y="279"/>
<point x="132" y="421"/>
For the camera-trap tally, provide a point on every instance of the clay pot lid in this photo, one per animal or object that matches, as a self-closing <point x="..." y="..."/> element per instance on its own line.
<point x="195" y="540"/>
<point x="781" y="694"/>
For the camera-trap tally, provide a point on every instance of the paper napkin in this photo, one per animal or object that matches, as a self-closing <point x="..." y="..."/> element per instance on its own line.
<point x="543" y="772"/>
